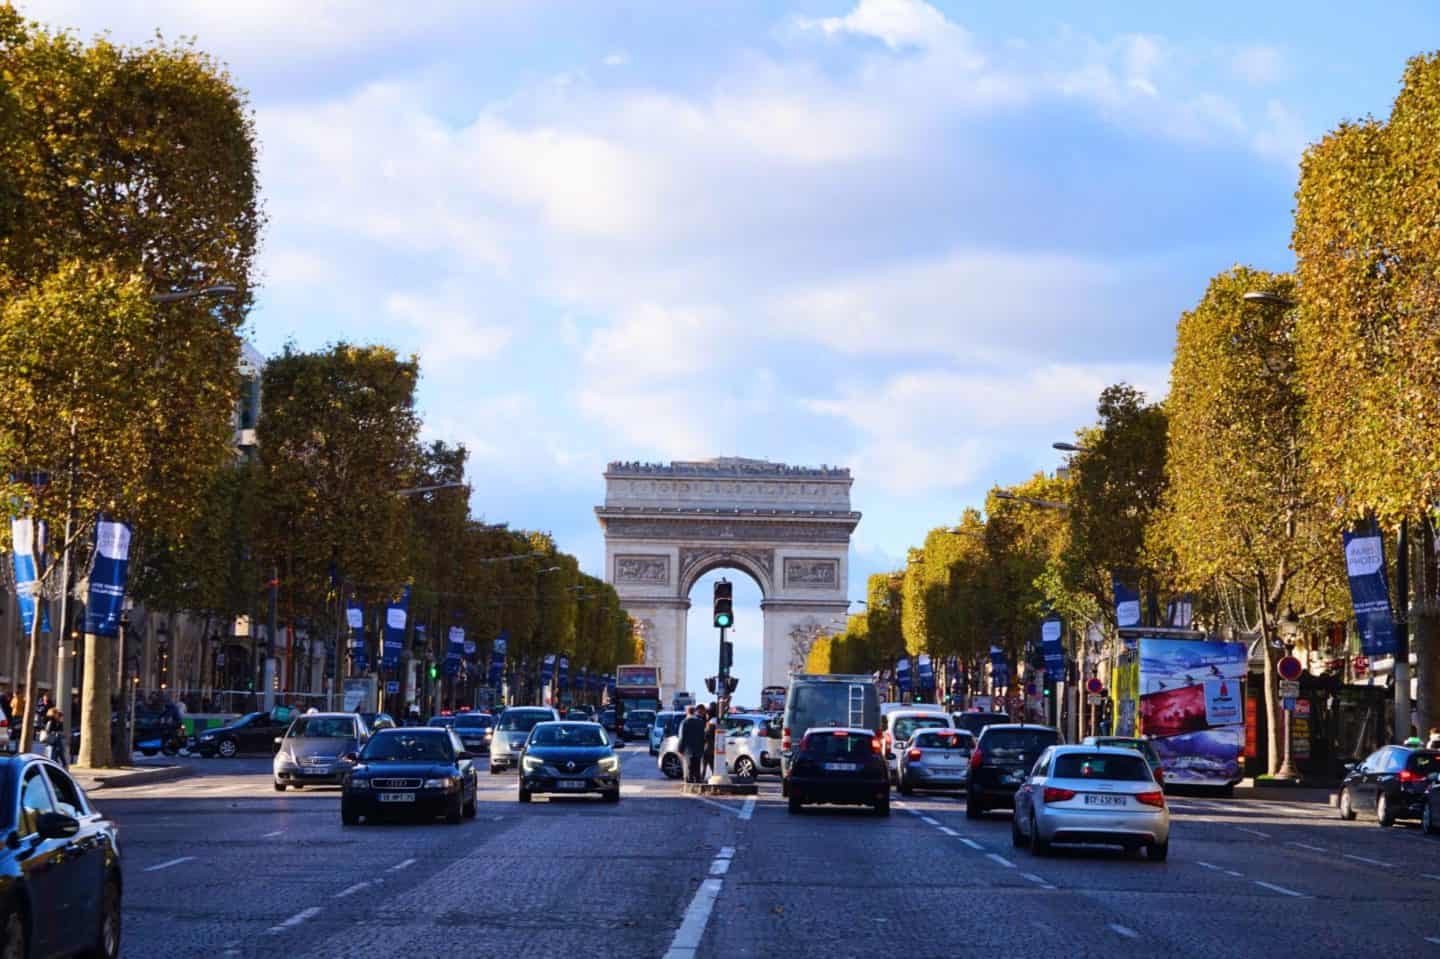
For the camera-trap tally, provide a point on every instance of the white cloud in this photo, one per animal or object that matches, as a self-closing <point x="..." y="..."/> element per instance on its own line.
<point x="1258" y="65"/>
<point x="449" y="334"/>
<point x="899" y="24"/>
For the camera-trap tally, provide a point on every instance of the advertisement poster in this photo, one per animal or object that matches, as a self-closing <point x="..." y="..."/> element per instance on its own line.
<point x="1192" y="707"/>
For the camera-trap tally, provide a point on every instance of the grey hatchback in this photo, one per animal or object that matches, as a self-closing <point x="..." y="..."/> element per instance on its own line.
<point x="311" y="751"/>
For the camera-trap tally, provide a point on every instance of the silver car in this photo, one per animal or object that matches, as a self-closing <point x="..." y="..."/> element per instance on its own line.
<point x="936" y="759"/>
<point x="313" y="750"/>
<point x="508" y="740"/>
<point x="1098" y="795"/>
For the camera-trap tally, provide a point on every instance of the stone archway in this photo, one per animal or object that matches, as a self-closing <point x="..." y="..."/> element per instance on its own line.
<point x="787" y="527"/>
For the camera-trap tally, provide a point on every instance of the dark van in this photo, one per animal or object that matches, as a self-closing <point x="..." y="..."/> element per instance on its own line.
<point x="817" y="700"/>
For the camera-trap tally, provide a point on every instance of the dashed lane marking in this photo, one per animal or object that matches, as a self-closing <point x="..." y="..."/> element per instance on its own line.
<point x="1125" y="931"/>
<point x="1237" y="875"/>
<point x="1367" y="861"/>
<point x="1253" y="832"/>
<point x="726" y="852"/>
<point x="351" y="890"/>
<point x="1280" y="889"/>
<point x="728" y="807"/>
<point x="748" y="809"/>
<point x="1041" y="882"/>
<point x="999" y="860"/>
<point x="692" y="925"/>
<point x="1208" y="865"/>
<point x="971" y="843"/>
<point x="168" y="863"/>
<point x="929" y="822"/>
<point x="1306" y="845"/>
<point x="1433" y="939"/>
<point x="401" y="865"/>
<point x="948" y="831"/>
<point x="1430" y="875"/>
<point x="720" y="867"/>
<point x="295" y="920"/>
<point x="272" y="835"/>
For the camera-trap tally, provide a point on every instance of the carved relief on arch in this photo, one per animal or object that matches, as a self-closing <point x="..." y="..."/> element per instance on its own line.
<point x="802" y="637"/>
<point x="746" y="559"/>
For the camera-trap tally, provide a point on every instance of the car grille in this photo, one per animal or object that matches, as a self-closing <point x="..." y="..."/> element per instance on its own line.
<point x="396" y="783"/>
<point x="579" y="772"/>
<point x="318" y="760"/>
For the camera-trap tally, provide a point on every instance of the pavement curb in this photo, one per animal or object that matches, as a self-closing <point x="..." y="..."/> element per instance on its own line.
<point x="720" y="789"/>
<point x="92" y="779"/>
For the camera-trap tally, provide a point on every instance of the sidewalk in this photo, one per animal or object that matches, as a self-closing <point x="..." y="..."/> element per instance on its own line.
<point x="142" y="772"/>
<point x="1319" y="795"/>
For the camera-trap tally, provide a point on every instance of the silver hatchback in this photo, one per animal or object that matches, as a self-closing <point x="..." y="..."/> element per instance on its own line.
<point x="936" y="759"/>
<point x="508" y="740"/>
<point x="1092" y="795"/>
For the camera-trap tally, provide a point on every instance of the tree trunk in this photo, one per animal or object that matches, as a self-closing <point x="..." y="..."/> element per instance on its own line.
<point x="32" y="663"/>
<point x="1427" y="633"/>
<point x="95" y="710"/>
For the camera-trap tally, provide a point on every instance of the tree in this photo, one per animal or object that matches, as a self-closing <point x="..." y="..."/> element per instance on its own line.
<point x="1022" y="539"/>
<point x="1240" y="509"/>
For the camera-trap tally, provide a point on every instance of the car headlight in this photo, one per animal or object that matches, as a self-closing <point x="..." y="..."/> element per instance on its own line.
<point x="209" y="735"/>
<point x="532" y="763"/>
<point x="356" y="783"/>
<point x="610" y="764"/>
<point x="445" y="782"/>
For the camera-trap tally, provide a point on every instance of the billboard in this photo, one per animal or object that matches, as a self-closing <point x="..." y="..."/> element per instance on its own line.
<point x="641" y="677"/>
<point x="1192" y="706"/>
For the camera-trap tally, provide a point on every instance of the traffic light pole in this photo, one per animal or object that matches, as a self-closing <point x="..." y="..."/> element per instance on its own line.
<point x="722" y="681"/>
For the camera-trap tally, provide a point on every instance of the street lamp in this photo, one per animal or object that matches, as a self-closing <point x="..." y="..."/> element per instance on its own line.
<point x="1267" y="298"/>
<point x="1069" y="448"/>
<point x="217" y="289"/>
<point x="1030" y="500"/>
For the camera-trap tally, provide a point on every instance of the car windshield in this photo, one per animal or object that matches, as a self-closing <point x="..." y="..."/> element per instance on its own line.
<point x="568" y="734"/>
<point x="1101" y="766"/>
<point x="408" y="747"/>
<point x="472" y="721"/>
<point x="905" y="726"/>
<point x="645" y="716"/>
<point x="840" y="743"/>
<point x="1017" y="743"/>
<point x="323" y="727"/>
<point x="941" y="740"/>
<point x="522" y="720"/>
<point x="441" y="721"/>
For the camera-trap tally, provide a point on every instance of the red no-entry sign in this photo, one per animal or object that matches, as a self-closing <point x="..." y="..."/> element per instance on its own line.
<point x="1289" y="668"/>
<point x="1093" y="685"/>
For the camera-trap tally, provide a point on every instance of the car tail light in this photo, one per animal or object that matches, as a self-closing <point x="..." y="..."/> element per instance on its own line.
<point x="975" y="759"/>
<point x="876" y="746"/>
<point x="1054" y="794"/>
<point x="804" y="742"/>
<point x="914" y="754"/>
<point x="785" y="738"/>
<point x="1156" y="799"/>
<point x="1411" y="776"/>
<point x="1159" y="775"/>
<point x="4" y="722"/>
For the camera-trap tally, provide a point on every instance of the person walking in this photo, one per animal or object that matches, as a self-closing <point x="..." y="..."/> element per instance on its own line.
<point x="692" y="743"/>
<point x="52" y="732"/>
<point x="712" y="723"/>
<point x="1433" y="741"/>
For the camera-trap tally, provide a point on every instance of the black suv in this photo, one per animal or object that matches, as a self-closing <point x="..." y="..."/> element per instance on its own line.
<point x="1002" y="759"/>
<point x="844" y="766"/>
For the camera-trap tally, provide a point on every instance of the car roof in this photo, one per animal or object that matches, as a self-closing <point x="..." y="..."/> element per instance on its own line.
<point x="568" y="722"/>
<point x="946" y="729"/>
<point x="413" y="731"/>
<point x="995" y="726"/>
<point x="857" y="730"/>
<point x="1092" y="750"/>
<point x="326" y="715"/>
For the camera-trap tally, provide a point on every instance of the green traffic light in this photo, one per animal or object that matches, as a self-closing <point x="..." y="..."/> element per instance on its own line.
<point x="434" y="672"/>
<point x="722" y="619"/>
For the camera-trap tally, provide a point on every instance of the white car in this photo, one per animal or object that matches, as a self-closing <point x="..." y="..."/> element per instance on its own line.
<point x="752" y="745"/>
<point x="1097" y="795"/>
<point x="898" y="725"/>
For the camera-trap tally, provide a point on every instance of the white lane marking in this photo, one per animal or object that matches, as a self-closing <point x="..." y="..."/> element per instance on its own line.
<point x="692" y="926"/>
<point x="747" y="810"/>
<point x="726" y="852"/>
<point x="1254" y="832"/>
<point x="1433" y="939"/>
<point x="1208" y="865"/>
<point x="720" y="805"/>
<point x="929" y="822"/>
<point x="971" y="843"/>
<point x="1000" y="860"/>
<point x="272" y="835"/>
<point x="1036" y="879"/>
<point x="1372" y="862"/>
<point x="296" y="919"/>
<point x="1280" y="889"/>
<point x="1125" y="931"/>
<point x="948" y="831"/>
<point x="1237" y="875"/>
<point x="1304" y="845"/>
<point x="915" y="812"/>
<point x="1430" y="875"/>
<point x="401" y="865"/>
<point x="720" y="867"/>
<point x="167" y="864"/>
<point x="352" y="890"/>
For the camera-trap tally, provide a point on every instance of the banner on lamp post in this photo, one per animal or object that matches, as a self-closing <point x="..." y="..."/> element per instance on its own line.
<point x="1051" y="630"/>
<point x="455" y="651"/>
<point x="497" y="659"/>
<point x="396" y="616"/>
<point x="28" y="556"/>
<point x="106" y="599"/>
<point x="1127" y="603"/>
<point x="355" y="620"/>
<point x="1369" y="592"/>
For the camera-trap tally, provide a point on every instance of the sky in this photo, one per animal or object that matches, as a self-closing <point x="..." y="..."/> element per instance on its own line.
<point x="915" y="239"/>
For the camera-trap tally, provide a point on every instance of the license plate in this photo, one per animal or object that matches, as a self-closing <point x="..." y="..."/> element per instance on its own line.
<point x="397" y="797"/>
<point x="570" y="784"/>
<point x="1091" y="799"/>
<point x="841" y="767"/>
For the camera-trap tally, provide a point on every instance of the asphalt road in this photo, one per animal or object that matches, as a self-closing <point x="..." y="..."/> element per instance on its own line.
<point x="220" y="865"/>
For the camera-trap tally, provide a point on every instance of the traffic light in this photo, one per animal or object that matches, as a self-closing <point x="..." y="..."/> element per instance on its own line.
<point x="730" y="683"/>
<point x="727" y="654"/>
<point x="434" y="671"/>
<point x="724" y="608"/>
<point x="710" y="683"/>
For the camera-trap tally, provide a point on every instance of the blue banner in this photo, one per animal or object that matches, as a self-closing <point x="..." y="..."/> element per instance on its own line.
<point x="1051" y="630"/>
<point x="1127" y="603"/>
<point x="107" y="578"/>
<point x="547" y="668"/>
<point x="28" y="543"/>
<point x="925" y="672"/>
<point x="999" y="667"/>
<point x="396" y="616"/>
<point x="355" y="620"/>
<point x="564" y="672"/>
<point x="902" y="674"/>
<point x="497" y="659"/>
<point x="1369" y="592"/>
<point x="455" y="651"/>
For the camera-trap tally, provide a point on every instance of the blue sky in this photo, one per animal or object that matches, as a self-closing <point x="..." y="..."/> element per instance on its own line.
<point x="915" y="239"/>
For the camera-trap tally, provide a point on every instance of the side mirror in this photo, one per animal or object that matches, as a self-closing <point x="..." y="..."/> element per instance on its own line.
<point x="56" y="825"/>
<point x="350" y="757"/>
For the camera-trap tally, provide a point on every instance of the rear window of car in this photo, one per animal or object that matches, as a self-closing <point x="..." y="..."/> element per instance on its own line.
<point x="640" y="716"/>
<point x="1015" y="743"/>
<point x="472" y="721"/>
<point x="1101" y="766"/>
<point x="828" y="744"/>
<point x="978" y="721"/>
<point x="814" y="704"/>
<point x="942" y="740"/>
<point x="905" y="726"/>
<point x="1424" y="763"/>
<point x="523" y="720"/>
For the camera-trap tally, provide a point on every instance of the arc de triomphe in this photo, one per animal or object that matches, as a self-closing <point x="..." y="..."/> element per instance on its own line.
<point x="788" y="527"/>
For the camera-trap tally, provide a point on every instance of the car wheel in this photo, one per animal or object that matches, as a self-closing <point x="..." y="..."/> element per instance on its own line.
<point x="1017" y="838"/>
<point x="524" y="794"/>
<point x="149" y="752"/>
<point x="796" y="805"/>
<point x="1383" y="816"/>
<point x="1157" y="851"/>
<point x="905" y="788"/>
<point x="745" y="767"/>
<point x="348" y="816"/>
<point x="1038" y="846"/>
<point x="227" y="748"/>
<point x="1347" y="810"/>
<point x="279" y="787"/>
<point x="107" y="936"/>
<point x="612" y="796"/>
<point x="1427" y="822"/>
<point x="455" y="812"/>
<point x="15" y="944"/>
<point x="973" y="809"/>
<point x="671" y="766"/>
<point x="882" y="808"/>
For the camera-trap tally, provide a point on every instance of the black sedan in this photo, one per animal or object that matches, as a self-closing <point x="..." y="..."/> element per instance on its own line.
<point x="1389" y="784"/>
<point x="417" y="773"/>
<point x="844" y="766"/>
<point x="252" y="733"/>
<point x="59" y="865"/>
<point x="570" y="757"/>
